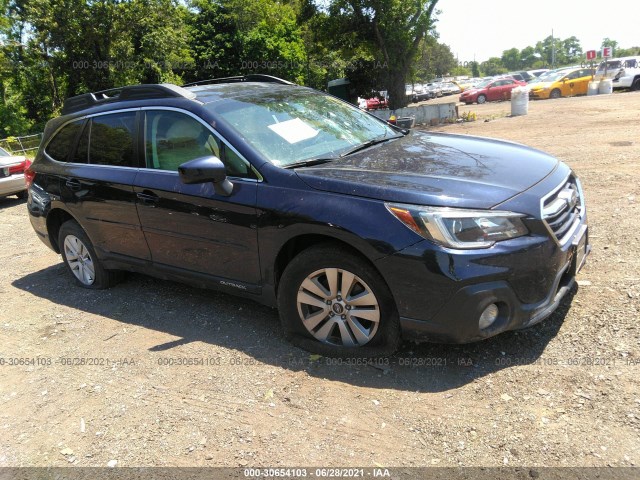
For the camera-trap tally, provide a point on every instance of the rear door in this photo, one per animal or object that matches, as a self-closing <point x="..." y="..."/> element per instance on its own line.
<point x="581" y="87"/>
<point x="191" y="227"/>
<point x="96" y="181"/>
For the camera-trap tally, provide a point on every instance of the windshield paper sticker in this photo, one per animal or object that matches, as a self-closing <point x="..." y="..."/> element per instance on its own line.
<point x="294" y="131"/>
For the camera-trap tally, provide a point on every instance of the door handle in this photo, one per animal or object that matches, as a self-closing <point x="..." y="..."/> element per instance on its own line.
<point x="73" y="184"/>
<point x="149" y="199"/>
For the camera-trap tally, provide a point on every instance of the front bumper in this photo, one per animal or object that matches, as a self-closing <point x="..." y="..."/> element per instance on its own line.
<point x="539" y="95"/>
<point x="623" y="82"/>
<point x="12" y="185"/>
<point x="457" y="322"/>
<point x="441" y="293"/>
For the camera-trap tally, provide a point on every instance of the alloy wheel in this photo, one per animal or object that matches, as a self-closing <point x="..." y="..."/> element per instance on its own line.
<point x="337" y="307"/>
<point x="79" y="260"/>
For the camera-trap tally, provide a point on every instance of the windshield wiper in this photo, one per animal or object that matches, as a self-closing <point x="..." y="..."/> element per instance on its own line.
<point x="309" y="163"/>
<point x="368" y="144"/>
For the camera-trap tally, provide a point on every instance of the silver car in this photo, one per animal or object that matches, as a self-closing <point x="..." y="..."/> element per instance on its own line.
<point x="12" y="169"/>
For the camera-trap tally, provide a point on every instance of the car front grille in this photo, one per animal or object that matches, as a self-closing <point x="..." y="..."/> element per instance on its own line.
<point x="562" y="209"/>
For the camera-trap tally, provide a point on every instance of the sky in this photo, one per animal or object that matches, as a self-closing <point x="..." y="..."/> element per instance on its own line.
<point x="485" y="28"/>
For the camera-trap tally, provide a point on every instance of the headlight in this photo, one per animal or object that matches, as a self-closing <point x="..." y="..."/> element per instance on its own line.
<point x="459" y="228"/>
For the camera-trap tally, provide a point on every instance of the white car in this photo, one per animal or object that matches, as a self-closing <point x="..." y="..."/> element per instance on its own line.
<point x="12" y="169"/>
<point x="625" y="72"/>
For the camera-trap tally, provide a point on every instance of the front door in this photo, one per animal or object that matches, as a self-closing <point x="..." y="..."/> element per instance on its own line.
<point x="191" y="227"/>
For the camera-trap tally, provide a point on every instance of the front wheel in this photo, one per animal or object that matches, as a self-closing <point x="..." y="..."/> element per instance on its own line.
<point x="555" y="93"/>
<point x="481" y="99"/>
<point x="334" y="303"/>
<point x="636" y="84"/>
<point x="80" y="258"/>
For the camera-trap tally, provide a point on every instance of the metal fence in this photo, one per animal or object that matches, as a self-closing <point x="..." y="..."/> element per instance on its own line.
<point x="27" y="146"/>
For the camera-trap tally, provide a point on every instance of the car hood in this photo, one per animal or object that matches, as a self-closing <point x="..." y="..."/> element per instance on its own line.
<point x="434" y="169"/>
<point x="541" y="85"/>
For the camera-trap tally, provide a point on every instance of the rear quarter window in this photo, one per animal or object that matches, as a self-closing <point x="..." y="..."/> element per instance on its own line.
<point x="62" y="143"/>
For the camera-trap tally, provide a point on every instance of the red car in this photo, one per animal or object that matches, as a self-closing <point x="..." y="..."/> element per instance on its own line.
<point x="491" y="90"/>
<point x="376" y="102"/>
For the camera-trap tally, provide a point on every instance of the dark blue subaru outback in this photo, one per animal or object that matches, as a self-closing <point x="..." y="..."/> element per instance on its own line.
<point x="359" y="232"/>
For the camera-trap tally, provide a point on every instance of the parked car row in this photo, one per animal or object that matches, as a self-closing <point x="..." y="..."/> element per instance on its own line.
<point x="543" y="84"/>
<point x="560" y="82"/>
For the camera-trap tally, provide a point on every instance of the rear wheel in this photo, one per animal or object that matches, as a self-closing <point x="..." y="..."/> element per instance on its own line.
<point x="636" y="84"/>
<point x="481" y="99"/>
<point x="555" y="93"/>
<point x="334" y="303"/>
<point x="81" y="259"/>
<point x="22" y="195"/>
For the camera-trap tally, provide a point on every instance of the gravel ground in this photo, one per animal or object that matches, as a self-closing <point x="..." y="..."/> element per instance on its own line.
<point x="154" y="373"/>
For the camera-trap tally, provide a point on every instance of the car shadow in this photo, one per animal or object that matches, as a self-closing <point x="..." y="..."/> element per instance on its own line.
<point x="12" y="201"/>
<point x="237" y="324"/>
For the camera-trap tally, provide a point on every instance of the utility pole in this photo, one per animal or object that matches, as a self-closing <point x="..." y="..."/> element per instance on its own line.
<point x="553" y="50"/>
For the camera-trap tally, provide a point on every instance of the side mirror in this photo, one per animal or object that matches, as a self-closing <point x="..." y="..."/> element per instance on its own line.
<point x="204" y="170"/>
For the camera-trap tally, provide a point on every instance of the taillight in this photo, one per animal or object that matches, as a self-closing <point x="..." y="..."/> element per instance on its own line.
<point x="21" y="167"/>
<point x="29" y="174"/>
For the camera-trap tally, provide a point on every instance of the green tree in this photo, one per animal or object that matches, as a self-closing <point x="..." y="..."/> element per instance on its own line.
<point x="571" y="50"/>
<point x="475" y="68"/>
<point x="434" y="59"/>
<point x="511" y="59"/>
<point x="229" y="37"/>
<point x="493" y="66"/>
<point x="528" y="57"/>
<point x="393" y="30"/>
<point x="59" y="49"/>
<point x="607" y="42"/>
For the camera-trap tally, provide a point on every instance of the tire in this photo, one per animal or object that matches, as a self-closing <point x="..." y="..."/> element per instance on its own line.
<point x="311" y="287"/>
<point x="481" y="99"/>
<point x="23" y="195"/>
<point x="80" y="258"/>
<point x="636" y="84"/>
<point x="555" y="93"/>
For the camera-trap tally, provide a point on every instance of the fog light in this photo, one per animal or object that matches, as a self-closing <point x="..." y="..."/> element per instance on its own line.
<point x="489" y="316"/>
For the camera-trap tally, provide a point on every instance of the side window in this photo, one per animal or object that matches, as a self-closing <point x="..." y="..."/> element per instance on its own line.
<point x="112" y="140"/>
<point x="60" y="146"/>
<point x="173" y="138"/>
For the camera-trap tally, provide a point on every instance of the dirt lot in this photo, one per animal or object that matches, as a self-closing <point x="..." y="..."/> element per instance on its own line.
<point x="107" y="384"/>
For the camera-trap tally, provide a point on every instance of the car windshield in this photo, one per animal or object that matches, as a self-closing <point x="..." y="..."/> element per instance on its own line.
<point x="483" y="83"/>
<point x="611" y="64"/>
<point x="4" y="153"/>
<point x="554" y="77"/>
<point x="299" y="125"/>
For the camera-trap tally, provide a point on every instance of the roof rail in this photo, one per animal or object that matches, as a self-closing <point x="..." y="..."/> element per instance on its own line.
<point x="252" y="77"/>
<point x="131" y="92"/>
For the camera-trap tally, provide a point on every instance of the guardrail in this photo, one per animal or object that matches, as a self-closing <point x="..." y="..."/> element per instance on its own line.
<point x="27" y="145"/>
<point x="425" y="114"/>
